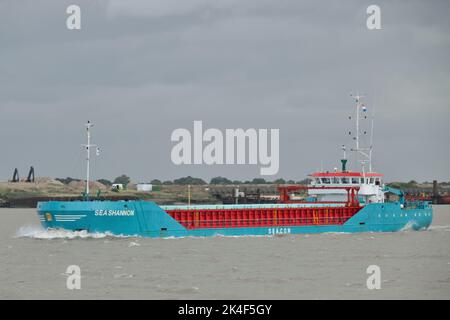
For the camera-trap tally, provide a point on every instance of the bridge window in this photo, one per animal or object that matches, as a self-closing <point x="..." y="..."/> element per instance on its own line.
<point x="336" y="180"/>
<point x="355" y="180"/>
<point x="318" y="180"/>
<point x="372" y="180"/>
<point x="361" y="180"/>
<point x="345" y="180"/>
<point x="326" y="180"/>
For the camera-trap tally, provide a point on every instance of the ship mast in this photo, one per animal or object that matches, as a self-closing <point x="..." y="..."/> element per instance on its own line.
<point x="371" y="136"/>
<point x="88" y="146"/>
<point x="363" y="155"/>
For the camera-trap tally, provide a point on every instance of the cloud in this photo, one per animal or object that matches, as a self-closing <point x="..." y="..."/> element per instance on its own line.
<point x="161" y="8"/>
<point x="141" y="69"/>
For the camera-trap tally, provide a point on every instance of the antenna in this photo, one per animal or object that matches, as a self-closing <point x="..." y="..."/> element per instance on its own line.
<point x="88" y="146"/>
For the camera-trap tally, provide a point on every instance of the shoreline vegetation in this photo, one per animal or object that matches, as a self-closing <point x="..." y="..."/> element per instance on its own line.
<point x="26" y="194"/>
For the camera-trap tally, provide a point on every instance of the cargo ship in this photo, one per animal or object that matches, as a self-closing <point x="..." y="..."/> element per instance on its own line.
<point x="335" y="201"/>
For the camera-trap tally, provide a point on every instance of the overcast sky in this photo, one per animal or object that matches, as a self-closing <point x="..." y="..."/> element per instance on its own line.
<point x="140" y="69"/>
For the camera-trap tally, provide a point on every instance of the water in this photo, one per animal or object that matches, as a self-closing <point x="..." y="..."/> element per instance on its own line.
<point x="33" y="262"/>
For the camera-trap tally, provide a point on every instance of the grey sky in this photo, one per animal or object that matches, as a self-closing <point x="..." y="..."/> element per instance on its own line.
<point x="140" y="69"/>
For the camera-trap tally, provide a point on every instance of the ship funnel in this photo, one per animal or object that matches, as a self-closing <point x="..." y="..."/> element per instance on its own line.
<point x="344" y="165"/>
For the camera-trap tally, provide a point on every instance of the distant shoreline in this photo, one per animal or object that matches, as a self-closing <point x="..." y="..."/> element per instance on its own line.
<point x="27" y="194"/>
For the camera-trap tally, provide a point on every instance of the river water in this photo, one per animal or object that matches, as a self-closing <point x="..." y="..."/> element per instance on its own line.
<point x="33" y="264"/>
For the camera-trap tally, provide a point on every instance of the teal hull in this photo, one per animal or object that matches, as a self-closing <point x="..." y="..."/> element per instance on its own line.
<point x="147" y="219"/>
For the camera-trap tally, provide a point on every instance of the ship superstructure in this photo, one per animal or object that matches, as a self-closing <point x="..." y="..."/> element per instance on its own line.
<point x="369" y="184"/>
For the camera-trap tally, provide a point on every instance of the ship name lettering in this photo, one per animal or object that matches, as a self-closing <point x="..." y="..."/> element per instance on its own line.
<point x="111" y="213"/>
<point x="279" y="230"/>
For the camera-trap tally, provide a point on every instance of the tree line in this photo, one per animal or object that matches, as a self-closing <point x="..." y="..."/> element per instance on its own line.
<point x="189" y="180"/>
<point x="225" y="181"/>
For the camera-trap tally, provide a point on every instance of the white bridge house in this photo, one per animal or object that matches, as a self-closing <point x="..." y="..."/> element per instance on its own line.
<point x="370" y="186"/>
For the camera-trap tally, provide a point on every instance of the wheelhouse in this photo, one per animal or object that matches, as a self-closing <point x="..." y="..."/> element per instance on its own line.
<point x="370" y="186"/>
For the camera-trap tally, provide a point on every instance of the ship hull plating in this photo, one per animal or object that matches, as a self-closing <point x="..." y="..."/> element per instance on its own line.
<point x="147" y="219"/>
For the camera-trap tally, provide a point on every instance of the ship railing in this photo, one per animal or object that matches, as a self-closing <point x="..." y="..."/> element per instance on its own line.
<point x="352" y="193"/>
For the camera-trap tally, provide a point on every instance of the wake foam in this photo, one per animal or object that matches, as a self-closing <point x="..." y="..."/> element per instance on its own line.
<point x="439" y="228"/>
<point x="409" y="226"/>
<point x="37" y="232"/>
